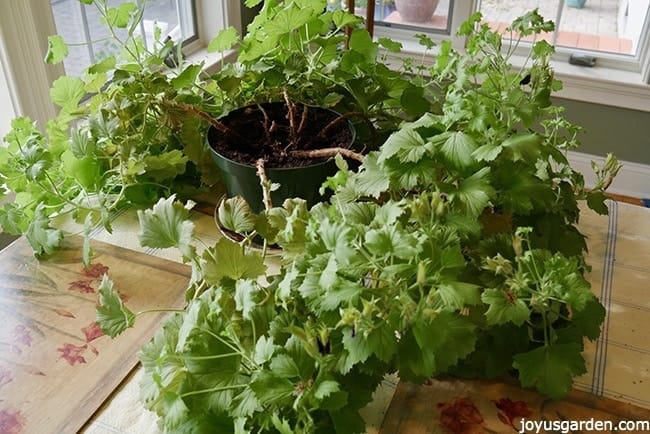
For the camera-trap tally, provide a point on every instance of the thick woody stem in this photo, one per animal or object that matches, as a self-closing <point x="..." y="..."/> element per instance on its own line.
<point x="267" y="125"/>
<point x="328" y="152"/>
<point x="303" y="119"/>
<point x="335" y="122"/>
<point x="291" y="115"/>
<point x="265" y="183"/>
<point x="212" y="121"/>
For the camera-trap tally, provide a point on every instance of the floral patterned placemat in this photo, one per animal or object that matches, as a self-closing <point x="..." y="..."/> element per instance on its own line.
<point x="56" y="366"/>
<point x="482" y="407"/>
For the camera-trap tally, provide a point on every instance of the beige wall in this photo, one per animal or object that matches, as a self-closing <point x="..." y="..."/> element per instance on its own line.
<point x="7" y="112"/>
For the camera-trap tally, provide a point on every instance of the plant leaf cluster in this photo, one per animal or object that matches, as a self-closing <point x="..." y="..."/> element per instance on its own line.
<point x="301" y="47"/>
<point x="131" y="129"/>
<point x="452" y="250"/>
<point x="119" y="140"/>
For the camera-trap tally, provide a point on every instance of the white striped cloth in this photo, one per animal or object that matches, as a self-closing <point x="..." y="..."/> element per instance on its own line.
<point x="619" y="253"/>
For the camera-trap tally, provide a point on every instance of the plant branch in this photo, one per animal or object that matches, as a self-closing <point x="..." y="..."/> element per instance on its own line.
<point x="323" y="133"/>
<point x="267" y="125"/>
<point x="212" y="121"/>
<point x="291" y="116"/>
<point x="213" y="390"/>
<point x="303" y="119"/>
<point x="159" y="310"/>
<point x="328" y="152"/>
<point x="265" y="183"/>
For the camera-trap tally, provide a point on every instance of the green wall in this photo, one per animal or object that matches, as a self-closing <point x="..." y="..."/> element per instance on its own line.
<point x="623" y="132"/>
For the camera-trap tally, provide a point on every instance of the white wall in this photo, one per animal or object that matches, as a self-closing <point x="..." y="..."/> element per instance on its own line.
<point x="631" y="18"/>
<point x="7" y="111"/>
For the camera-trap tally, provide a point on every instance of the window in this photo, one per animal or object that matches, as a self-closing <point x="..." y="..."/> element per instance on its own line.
<point x="432" y="15"/>
<point x="615" y="32"/>
<point x="25" y="26"/>
<point x="401" y="19"/>
<point x="88" y="39"/>
<point x="610" y="30"/>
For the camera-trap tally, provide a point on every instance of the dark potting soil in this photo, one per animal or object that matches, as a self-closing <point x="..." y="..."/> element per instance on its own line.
<point x="256" y="135"/>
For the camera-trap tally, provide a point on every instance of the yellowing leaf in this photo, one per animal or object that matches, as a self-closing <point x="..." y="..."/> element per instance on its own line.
<point x="57" y="50"/>
<point x="84" y="170"/>
<point x="120" y="16"/>
<point x="224" y="40"/>
<point x="187" y="77"/>
<point x="67" y="91"/>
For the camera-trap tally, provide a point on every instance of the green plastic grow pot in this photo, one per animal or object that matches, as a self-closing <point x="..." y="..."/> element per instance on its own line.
<point x="241" y="179"/>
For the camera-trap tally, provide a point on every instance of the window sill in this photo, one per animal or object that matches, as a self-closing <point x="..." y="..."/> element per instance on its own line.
<point x="603" y="85"/>
<point x="211" y="61"/>
<point x="598" y="84"/>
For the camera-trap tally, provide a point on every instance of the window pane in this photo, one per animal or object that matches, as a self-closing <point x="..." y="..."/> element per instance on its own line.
<point x="612" y="26"/>
<point x="88" y="39"/>
<point x="416" y="14"/>
<point x="425" y="14"/>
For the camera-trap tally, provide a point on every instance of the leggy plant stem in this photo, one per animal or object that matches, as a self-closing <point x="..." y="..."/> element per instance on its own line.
<point x="328" y="152"/>
<point x="323" y="133"/>
<point x="291" y="116"/>
<point x="303" y="118"/>
<point x="264" y="182"/>
<point x="213" y="390"/>
<point x="267" y="125"/>
<point x="335" y="122"/>
<point x="159" y="310"/>
<point x="212" y="121"/>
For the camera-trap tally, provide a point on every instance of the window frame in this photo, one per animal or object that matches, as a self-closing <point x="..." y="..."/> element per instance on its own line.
<point x="616" y="80"/>
<point x="26" y="24"/>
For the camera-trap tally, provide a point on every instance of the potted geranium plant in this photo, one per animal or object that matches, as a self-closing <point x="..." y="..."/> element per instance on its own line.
<point x="133" y="128"/>
<point x="292" y="77"/>
<point x="293" y="144"/>
<point x="453" y="249"/>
